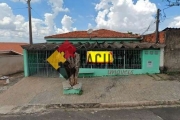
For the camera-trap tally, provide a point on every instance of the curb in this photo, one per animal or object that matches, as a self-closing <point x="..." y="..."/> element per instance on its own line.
<point x="113" y="105"/>
<point x="40" y="108"/>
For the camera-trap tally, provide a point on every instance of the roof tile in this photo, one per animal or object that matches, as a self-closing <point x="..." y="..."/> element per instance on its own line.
<point x="101" y="33"/>
<point x="10" y="46"/>
<point x="115" y="45"/>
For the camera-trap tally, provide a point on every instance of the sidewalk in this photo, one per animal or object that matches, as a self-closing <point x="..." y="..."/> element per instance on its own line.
<point x="133" y="89"/>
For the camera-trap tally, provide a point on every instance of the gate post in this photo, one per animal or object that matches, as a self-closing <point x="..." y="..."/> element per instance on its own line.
<point x="26" y="67"/>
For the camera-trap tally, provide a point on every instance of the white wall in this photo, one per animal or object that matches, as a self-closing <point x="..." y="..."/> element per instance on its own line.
<point x="10" y="64"/>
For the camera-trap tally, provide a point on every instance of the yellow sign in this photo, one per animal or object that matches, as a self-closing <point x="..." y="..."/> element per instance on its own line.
<point x="100" y="56"/>
<point x="56" y="58"/>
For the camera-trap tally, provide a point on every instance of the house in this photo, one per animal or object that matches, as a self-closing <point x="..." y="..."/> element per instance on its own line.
<point x="11" y="58"/>
<point x="170" y="55"/>
<point x="130" y="54"/>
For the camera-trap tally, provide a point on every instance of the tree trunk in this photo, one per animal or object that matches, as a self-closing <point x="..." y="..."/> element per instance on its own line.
<point x="77" y="64"/>
<point x="72" y="69"/>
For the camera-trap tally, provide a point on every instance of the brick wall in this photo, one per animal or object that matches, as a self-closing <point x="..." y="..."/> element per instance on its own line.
<point x="172" y="50"/>
<point x="152" y="37"/>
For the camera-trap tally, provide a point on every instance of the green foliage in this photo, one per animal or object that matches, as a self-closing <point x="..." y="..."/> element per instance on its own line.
<point x="130" y="32"/>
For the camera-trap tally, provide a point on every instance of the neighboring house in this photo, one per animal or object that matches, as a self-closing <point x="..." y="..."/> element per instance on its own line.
<point x="131" y="55"/>
<point x="170" y="55"/>
<point x="11" y="59"/>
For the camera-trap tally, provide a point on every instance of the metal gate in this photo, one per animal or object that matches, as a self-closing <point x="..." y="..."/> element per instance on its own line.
<point x="38" y="65"/>
<point x="123" y="59"/>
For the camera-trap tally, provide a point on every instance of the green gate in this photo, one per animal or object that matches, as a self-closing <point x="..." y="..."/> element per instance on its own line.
<point x="123" y="59"/>
<point x="38" y="65"/>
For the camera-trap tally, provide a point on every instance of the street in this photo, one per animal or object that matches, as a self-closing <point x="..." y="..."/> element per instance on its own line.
<point x="168" y="113"/>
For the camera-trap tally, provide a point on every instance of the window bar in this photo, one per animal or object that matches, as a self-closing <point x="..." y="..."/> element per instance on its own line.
<point x="119" y="58"/>
<point x="43" y="67"/>
<point x="124" y="59"/>
<point x="115" y="65"/>
<point x="140" y="59"/>
<point x="133" y="59"/>
<point x="137" y="56"/>
<point x="115" y="59"/>
<point x="137" y="59"/>
<point x="46" y="64"/>
<point x="136" y="63"/>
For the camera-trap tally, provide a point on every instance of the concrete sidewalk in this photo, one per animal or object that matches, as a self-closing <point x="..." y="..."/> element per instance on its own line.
<point x="109" y="90"/>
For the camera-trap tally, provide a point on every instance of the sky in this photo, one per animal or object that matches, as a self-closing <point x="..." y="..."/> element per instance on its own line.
<point x="60" y="16"/>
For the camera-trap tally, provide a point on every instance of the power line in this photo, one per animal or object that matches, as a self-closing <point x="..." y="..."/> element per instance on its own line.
<point x="37" y="13"/>
<point x="164" y="14"/>
<point x="19" y="8"/>
<point x="148" y="27"/>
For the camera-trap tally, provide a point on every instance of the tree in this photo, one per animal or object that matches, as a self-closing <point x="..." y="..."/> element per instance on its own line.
<point x="171" y="3"/>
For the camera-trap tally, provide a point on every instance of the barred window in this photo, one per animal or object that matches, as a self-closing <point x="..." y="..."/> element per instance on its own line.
<point x="123" y="59"/>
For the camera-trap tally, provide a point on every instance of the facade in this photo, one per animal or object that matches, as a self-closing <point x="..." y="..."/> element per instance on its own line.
<point x="170" y="54"/>
<point x="130" y="54"/>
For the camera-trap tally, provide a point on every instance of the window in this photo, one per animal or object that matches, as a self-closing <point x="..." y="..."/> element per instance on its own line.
<point x="123" y="59"/>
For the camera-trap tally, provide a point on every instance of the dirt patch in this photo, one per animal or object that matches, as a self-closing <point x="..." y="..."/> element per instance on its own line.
<point x="165" y="77"/>
<point x="13" y="79"/>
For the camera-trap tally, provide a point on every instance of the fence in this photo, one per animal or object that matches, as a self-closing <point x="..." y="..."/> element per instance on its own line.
<point x="123" y="59"/>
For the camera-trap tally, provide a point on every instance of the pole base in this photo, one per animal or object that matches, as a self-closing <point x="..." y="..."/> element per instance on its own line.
<point x="68" y="90"/>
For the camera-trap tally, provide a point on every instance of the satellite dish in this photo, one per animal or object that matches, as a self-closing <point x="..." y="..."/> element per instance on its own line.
<point x="90" y="31"/>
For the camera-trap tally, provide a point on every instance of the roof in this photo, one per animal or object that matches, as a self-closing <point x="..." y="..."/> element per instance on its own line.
<point x="87" y="45"/>
<point x="152" y="37"/>
<point x="11" y="47"/>
<point x="101" y="33"/>
<point x="168" y="29"/>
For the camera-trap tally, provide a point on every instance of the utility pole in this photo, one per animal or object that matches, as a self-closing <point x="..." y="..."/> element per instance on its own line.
<point x="30" y="23"/>
<point x="157" y="26"/>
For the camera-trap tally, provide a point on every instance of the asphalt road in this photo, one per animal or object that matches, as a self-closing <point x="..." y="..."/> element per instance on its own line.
<point x="126" y="114"/>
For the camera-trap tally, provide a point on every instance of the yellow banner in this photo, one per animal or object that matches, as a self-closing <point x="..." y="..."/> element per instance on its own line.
<point x="100" y="56"/>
